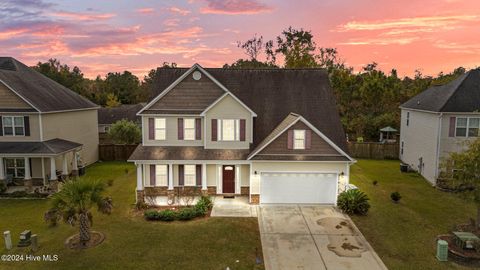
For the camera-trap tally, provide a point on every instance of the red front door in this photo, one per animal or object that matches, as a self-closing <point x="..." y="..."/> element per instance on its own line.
<point x="228" y="179"/>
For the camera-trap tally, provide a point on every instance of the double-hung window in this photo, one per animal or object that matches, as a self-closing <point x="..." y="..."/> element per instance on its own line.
<point x="228" y="129"/>
<point x="160" y="129"/>
<point x="189" y="129"/>
<point x="161" y="175"/>
<point x="13" y="126"/>
<point x="298" y="139"/>
<point x="467" y="127"/>
<point x="190" y="175"/>
<point x="15" y="167"/>
<point x="408" y="119"/>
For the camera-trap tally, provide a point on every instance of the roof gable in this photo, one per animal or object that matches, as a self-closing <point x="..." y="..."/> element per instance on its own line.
<point x="39" y="91"/>
<point x="10" y="100"/>
<point x="459" y="95"/>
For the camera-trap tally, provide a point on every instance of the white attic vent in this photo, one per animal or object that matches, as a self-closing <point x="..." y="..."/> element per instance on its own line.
<point x="197" y="75"/>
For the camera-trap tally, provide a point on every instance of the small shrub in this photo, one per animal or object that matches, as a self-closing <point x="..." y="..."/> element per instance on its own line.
<point x="110" y="182"/>
<point x="52" y="217"/>
<point x="395" y="196"/>
<point x="167" y="215"/>
<point x="186" y="213"/>
<point x="151" y="214"/>
<point x="353" y="201"/>
<point x="141" y="205"/>
<point x="375" y="182"/>
<point x="207" y="201"/>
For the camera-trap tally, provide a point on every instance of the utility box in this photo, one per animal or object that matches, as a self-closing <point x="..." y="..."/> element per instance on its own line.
<point x="25" y="240"/>
<point x="442" y="250"/>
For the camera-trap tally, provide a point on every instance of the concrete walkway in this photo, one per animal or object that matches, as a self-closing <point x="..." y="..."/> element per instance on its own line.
<point x="313" y="237"/>
<point x="234" y="207"/>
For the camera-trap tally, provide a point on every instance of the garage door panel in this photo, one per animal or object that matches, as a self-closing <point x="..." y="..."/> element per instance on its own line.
<point x="298" y="188"/>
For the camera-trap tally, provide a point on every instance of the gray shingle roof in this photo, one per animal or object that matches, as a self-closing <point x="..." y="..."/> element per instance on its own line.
<point x="43" y="93"/>
<point x="54" y="146"/>
<point x="273" y="94"/>
<point x="459" y="95"/>
<point x="107" y="116"/>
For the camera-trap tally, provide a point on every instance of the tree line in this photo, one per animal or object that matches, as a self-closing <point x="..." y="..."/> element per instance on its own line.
<point x="367" y="100"/>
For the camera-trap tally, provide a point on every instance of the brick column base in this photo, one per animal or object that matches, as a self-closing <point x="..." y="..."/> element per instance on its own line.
<point x="171" y="196"/>
<point x="255" y="199"/>
<point x="28" y="183"/>
<point x="204" y="192"/>
<point x="140" y="196"/>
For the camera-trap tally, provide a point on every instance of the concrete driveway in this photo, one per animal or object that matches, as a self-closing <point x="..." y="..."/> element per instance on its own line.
<point x="313" y="237"/>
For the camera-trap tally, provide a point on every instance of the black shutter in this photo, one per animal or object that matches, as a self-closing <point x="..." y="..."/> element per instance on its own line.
<point x="26" y="123"/>
<point x="1" y="126"/>
<point x="198" y="174"/>
<point x="181" y="175"/>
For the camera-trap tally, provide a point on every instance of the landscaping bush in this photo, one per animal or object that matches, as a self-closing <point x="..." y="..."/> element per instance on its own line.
<point x="203" y="205"/>
<point x="141" y="205"/>
<point x="151" y="214"/>
<point x="353" y="201"/>
<point x="395" y="196"/>
<point x="186" y="213"/>
<point x="110" y="182"/>
<point x="166" y="215"/>
<point x="375" y="182"/>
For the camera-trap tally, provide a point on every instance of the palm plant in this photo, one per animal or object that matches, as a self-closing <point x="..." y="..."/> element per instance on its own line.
<point x="353" y="201"/>
<point x="74" y="202"/>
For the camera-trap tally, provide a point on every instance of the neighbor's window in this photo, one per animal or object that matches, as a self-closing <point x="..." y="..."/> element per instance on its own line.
<point x="461" y="128"/>
<point x="228" y="129"/>
<point x="408" y="118"/>
<point x="401" y="148"/>
<point x="13" y="126"/>
<point x="161" y="175"/>
<point x="298" y="139"/>
<point x="15" y="167"/>
<point x="160" y="129"/>
<point x="189" y="129"/>
<point x="189" y="173"/>
<point x="473" y="127"/>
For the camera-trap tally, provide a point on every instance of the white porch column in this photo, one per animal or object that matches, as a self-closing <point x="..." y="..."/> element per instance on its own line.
<point x="204" y="176"/>
<point x="53" y="169"/>
<point x="65" y="165"/>
<point x="139" y="177"/>
<point x="28" y="174"/>
<point x="170" y="176"/>
<point x="2" y="169"/>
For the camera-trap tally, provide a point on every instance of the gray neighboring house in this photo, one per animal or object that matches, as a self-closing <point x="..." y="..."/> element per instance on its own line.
<point x="438" y="122"/>
<point x="46" y="130"/>
<point x="108" y="116"/>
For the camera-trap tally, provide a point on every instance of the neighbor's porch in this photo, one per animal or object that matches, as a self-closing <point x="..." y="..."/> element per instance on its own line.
<point x="166" y="183"/>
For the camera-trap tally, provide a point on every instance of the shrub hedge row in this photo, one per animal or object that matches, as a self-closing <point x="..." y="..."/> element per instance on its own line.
<point x="200" y="209"/>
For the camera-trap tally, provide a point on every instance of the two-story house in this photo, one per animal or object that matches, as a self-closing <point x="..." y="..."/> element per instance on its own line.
<point x="439" y="121"/>
<point x="45" y="128"/>
<point x="271" y="134"/>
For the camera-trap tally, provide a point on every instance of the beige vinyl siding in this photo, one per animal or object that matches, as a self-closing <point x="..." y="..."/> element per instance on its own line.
<point x="76" y="126"/>
<point x="10" y="100"/>
<point x="420" y="141"/>
<point x="34" y="129"/>
<point x="211" y="175"/>
<point x="171" y="125"/>
<point x="453" y="144"/>
<point x="228" y="108"/>
<point x="245" y="175"/>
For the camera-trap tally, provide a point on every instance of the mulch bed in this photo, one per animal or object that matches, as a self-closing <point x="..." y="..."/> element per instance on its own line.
<point x="96" y="238"/>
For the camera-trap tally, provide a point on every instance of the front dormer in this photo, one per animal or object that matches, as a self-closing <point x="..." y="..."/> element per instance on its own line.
<point x="197" y="110"/>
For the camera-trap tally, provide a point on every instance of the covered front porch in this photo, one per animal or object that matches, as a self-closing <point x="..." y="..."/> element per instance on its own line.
<point x="37" y="166"/>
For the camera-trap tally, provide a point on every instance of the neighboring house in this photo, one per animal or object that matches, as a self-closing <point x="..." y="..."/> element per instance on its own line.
<point x="108" y="116"/>
<point x="43" y="126"/>
<point x="439" y="121"/>
<point x="271" y="134"/>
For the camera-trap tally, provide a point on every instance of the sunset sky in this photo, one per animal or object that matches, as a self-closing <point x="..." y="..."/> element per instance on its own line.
<point x="101" y="36"/>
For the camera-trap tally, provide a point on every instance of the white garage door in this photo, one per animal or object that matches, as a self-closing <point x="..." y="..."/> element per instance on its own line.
<point x="298" y="188"/>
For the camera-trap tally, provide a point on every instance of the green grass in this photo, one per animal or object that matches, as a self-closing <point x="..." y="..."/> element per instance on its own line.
<point x="131" y="242"/>
<point x="404" y="234"/>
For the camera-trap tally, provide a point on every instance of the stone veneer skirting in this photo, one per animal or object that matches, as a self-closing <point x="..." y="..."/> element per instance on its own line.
<point x="255" y="199"/>
<point x="245" y="190"/>
<point x="163" y="191"/>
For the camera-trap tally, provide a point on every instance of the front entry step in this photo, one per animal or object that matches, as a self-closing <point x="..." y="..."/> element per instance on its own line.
<point x="229" y="196"/>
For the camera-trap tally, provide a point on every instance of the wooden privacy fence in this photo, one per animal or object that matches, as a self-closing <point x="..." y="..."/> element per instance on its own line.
<point x="109" y="152"/>
<point x="372" y="150"/>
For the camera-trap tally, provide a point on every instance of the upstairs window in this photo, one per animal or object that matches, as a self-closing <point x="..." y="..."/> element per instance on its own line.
<point x="228" y="129"/>
<point x="473" y="127"/>
<point x="461" y="127"/>
<point x="298" y="139"/>
<point x="190" y="175"/>
<point x="13" y="126"/>
<point x="189" y="129"/>
<point x="160" y="129"/>
<point x="467" y="127"/>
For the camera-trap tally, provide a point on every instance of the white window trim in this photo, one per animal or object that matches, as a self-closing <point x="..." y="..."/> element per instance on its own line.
<point x="295" y="132"/>
<point x="466" y="127"/>
<point x="164" y="128"/>
<point x="236" y="130"/>
<point x="13" y="125"/>
<point x="185" y="129"/>
<point x="192" y="175"/>
<point x="159" y="175"/>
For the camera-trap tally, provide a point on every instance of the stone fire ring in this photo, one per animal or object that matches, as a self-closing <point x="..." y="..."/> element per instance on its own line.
<point x="96" y="238"/>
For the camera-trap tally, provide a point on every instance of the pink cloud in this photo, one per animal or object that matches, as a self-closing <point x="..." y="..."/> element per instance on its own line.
<point x="83" y="16"/>
<point x="234" y="7"/>
<point x="7" y="34"/>
<point x="180" y="11"/>
<point x="145" y="10"/>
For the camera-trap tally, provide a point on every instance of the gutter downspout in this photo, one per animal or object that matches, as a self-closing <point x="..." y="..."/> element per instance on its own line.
<point x="437" y="154"/>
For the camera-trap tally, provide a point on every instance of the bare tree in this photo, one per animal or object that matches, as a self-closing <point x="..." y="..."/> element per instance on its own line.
<point x="252" y="47"/>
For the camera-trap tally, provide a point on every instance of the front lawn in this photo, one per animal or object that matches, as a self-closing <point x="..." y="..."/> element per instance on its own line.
<point x="404" y="234"/>
<point x="131" y="242"/>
